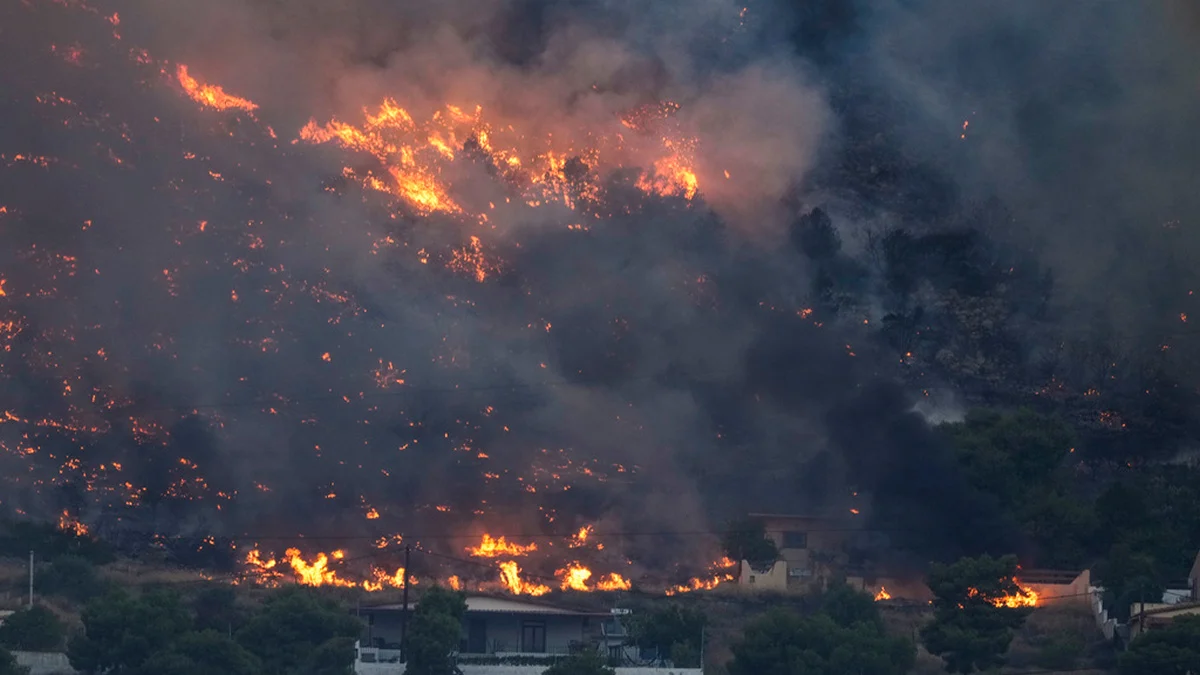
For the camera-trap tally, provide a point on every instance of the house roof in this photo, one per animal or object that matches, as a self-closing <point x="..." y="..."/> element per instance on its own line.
<point x="794" y="516"/>
<point x="483" y="603"/>
<point x="1168" y="611"/>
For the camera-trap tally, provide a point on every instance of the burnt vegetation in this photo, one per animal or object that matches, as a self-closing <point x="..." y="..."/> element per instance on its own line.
<point x="210" y="338"/>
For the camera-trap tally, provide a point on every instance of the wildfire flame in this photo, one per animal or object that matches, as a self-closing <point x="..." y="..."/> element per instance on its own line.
<point x="318" y="571"/>
<point x="210" y="95"/>
<point x="494" y="548"/>
<point x="510" y="577"/>
<point x="882" y="594"/>
<point x="723" y="573"/>
<point x="1025" y="597"/>
<point x="68" y="523"/>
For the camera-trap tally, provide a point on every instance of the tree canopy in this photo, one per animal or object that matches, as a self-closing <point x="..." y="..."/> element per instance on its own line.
<point x="1171" y="650"/>
<point x="846" y="635"/>
<point x="294" y="633"/>
<point x="674" y="630"/>
<point x="34" y="629"/>
<point x="972" y="628"/>
<point x="435" y="631"/>
<point x="747" y="540"/>
<point x="296" y="628"/>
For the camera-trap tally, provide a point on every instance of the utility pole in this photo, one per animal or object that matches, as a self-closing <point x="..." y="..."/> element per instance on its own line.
<point x="31" y="579"/>
<point x="404" y="615"/>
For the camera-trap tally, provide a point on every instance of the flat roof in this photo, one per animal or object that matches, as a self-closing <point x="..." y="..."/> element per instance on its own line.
<point x="483" y="603"/>
<point x="790" y="516"/>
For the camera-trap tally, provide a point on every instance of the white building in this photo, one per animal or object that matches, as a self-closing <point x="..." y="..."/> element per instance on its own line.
<point x="504" y="636"/>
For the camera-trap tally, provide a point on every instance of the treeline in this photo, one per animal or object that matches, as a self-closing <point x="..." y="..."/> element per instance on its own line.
<point x="292" y="632"/>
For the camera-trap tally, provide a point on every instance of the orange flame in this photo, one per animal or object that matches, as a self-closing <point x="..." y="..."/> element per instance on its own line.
<point x="574" y="577"/>
<point x="67" y="523"/>
<point x="613" y="582"/>
<point x="882" y="594"/>
<point x="210" y="95"/>
<point x="1025" y="597"/>
<point x="493" y="548"/>
<point x="317" y="572"/>
<point x="580" y="538"/>
<point x="510" y="576"/>
<point x="723" y="572"/>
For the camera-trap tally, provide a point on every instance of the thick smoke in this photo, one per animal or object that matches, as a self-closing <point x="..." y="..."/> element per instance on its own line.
<point x="693" y="354"/>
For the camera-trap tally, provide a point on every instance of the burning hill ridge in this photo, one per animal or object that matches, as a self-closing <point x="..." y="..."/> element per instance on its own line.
<point x="194" y="319"/>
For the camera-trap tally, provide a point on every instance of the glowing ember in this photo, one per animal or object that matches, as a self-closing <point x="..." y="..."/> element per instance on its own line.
<point x="67" y="523"/>
<point x="210" y="95"/>
<point x="492" y="548"/>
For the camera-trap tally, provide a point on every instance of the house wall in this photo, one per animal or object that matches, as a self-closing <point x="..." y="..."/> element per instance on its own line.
<point x="1076" y="592"/>
<point x="822" y="555"/>
<point x="503" y="631"/>
<point x="468" y="669"/>
<point x="774" y="579"/>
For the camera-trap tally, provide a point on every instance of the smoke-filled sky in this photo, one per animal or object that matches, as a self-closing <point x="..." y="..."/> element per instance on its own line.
<point x="262" y="345"/>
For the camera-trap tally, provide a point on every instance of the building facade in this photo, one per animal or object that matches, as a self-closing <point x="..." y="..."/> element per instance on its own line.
<point x="812" y="552"/>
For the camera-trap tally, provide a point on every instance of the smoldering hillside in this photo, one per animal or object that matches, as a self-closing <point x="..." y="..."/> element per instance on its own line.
<point x="209" y="332"/>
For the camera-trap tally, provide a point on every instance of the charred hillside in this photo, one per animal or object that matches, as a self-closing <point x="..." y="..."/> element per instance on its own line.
<point x="353" y="277"/>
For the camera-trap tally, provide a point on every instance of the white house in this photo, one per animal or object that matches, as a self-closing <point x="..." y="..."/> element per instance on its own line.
<point x="503" y="636"/>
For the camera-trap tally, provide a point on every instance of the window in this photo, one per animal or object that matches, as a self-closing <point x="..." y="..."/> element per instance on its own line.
<point x="795" y="540"/>
<point x="533" y="637"/>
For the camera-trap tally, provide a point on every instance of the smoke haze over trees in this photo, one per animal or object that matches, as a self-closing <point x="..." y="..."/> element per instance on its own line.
<point x="904" y="210"/>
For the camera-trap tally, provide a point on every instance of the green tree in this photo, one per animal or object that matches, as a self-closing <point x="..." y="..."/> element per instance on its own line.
<point x="1017" y="457"/>
<point x="782" y="643"/>
<point x="293" y="625"/>
<point x="672" y="630"/>
<point x="8" y="664"/>
<point x="202" y="653"/>
<point x="971" y="628"/>
<point x="848" y="607"/>
<point x="72" y="577"/>
<point x="434" y="632"/>
<point x="335" y="656"/>
<point x="216" y="608"/>
<point x="747" y="540"/>
<point x="17" y="539"/>
<point x="587" y="662"/>
<point x="1129" y="577"/>
<point x="34" y="629"/>
<point x="121" y="632"/>
<point x="1172" y="650"/>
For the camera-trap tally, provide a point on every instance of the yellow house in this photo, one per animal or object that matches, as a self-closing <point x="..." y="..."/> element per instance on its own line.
<point x="811" y="552"/>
